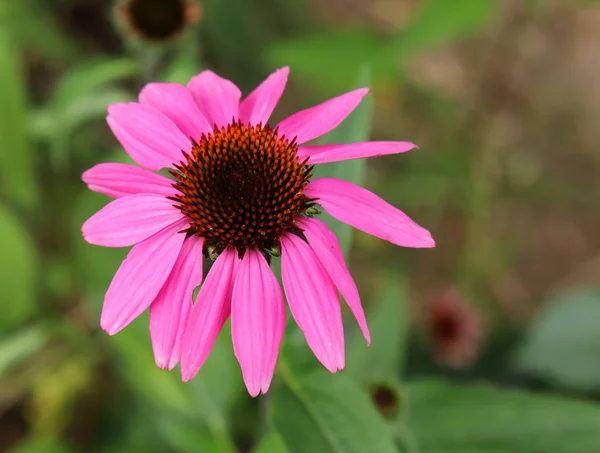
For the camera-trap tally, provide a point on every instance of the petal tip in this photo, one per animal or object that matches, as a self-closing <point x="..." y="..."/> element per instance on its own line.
<point x="116" y="108"/>
<point x="110" y="328"/>
<point x="173" y="361"/>
<point x="187" y="375"/>
<point x="85" y="176"/>
<point x="428" y="241"/>
<point x="161" y="362"/>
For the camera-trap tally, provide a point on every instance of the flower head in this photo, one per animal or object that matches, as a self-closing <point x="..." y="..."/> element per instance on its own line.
<point x="453" y="329"/>
<point x="242" y="192"/>
<point x="157" y="20"/>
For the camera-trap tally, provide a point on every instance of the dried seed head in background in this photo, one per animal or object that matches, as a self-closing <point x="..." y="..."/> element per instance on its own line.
<point x="156" y="20"/>
<point x="453" y="330"/>
<point x="387" y="399"/>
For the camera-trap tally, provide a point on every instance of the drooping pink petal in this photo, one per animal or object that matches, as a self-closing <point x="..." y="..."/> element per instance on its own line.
<point x="176" y="103"/>
<point x="120" y="180"/>
<point x="140" y="277"/>
<point x="313" y="301"/>
<point x="328" y="250"/>
<point x="365" y="211"/>
<point x="313" y="122"/>
<point x="257" y="321"/>
<point x="169" y="311"/>
<point x="129" y="220"/>
<point x="259" y="104"/>
<point x="148" y="136"/>
<point x="320" y="154"/>
<point x="217" y="98"/>
<point x="209" y="313"/>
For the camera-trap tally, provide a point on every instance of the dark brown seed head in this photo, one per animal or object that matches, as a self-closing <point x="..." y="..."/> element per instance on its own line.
<point x="386" y="398"/>
<point x="242" y="186"/>
<point x="158" y="20"/>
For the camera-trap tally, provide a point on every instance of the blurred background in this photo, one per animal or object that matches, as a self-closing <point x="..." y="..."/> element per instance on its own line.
<point x="488" y="343"/>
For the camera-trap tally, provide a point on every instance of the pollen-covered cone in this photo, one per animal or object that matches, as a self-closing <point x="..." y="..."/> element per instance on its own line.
<point x="241" y="193"/>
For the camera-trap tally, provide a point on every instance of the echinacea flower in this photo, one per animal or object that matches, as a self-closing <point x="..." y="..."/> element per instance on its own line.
<point x="453" y="329"/>
<point x="242" y="193"/>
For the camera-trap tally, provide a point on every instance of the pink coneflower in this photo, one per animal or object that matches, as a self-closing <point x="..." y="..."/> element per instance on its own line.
<point x="242" y="194"/>
<point x="453" y="329"/>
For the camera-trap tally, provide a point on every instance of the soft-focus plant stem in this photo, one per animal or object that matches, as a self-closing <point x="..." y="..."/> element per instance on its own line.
<point x="478" y="245"/>
<point x="406" y="438"/>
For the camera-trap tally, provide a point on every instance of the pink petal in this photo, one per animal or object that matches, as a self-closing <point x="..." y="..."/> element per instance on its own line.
<point x="140" y="277"/>
<point x="129" y="220"/>
<point x="176" y="103"/>
<point x="365" y="211"/>
<point x="149" y="137"/>
<point x="169" y="311"/>
<point x="120" y="180"/>
<point x="313" y="301"/>
<point x="313" y="122"/>
<point x="320" y="154"/>
<point x="328" y="250"/>
<point x="217" y="98"/>
<point x="257" y="321"/>
<point x="259" y="104"/>
<point x="209" y="313"/>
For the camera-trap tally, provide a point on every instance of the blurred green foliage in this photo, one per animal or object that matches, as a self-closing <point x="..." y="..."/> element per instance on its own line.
<point x="563" y="341"/>
<point x="458" y="418"/>
<point x="65" y="386"/>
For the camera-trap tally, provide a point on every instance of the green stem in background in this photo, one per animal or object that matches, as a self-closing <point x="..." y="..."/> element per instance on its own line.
<point x="406" y="438"/>
<point x="500" y="55"/>
<point x="264" y="406"/>
<point x="478" y="214"/>
<point x="186" y="61"/>
<point x="150" y="58"/>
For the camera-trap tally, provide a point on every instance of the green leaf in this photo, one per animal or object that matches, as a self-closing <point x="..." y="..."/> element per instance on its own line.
<point x="563" y="342"/>
<point x="325" y="413"/>
<point x="270" y="443"/>
<point x="34" y="27"/>
<point x="355" y="128"/>
<point x="453" y="418"/>
<point x="436" y="23"/>
<point x="89" y="107"/>
<point x="388" y="324"/>
<point x="18" y="347"/>
<point x="82" y="95"/>
<point x="18" y="271"/>
<point x="40" y="445"/>
<point x="90" y="76"/>
<point x="331" y="59"/>
<point x="17" y="175"/>
<point x="188" y="437"/>
<point x="205" y="399"/>
<point x="160" y="388"/>
<point x="133" y="430"/>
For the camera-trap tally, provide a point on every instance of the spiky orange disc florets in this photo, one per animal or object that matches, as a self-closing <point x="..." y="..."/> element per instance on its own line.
<point x="242" y="186"/>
